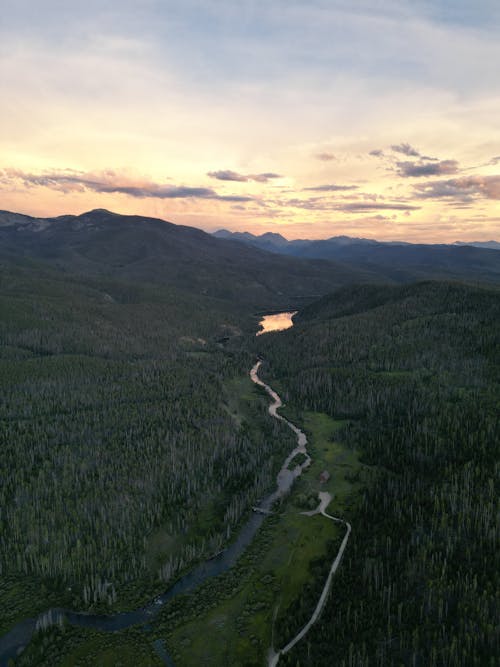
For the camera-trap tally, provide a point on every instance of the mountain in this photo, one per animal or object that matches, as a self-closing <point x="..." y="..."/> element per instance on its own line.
<point x="269" y="241"/>
<point x="280" y="274"/>
<point x="274" y="242"/>
<point x="396" y="261"/>
<point x="294" y="247"/>
<point x="137" y="249"/>
<point x="493" y="245"/>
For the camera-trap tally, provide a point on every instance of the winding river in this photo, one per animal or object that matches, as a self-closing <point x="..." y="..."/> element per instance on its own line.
<point x="14" y="642"/>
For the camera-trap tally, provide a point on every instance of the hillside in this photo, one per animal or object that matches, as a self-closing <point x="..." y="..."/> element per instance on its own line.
<point x="137" y="249"/>
<point x="411" y="373"/>
<point x="116" y="437"/>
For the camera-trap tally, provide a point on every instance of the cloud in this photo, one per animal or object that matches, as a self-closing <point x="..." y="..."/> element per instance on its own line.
<point x="406" y="149"/>
<point x="229" y="175"/>
<point x="313" y="204"/>
<point x="233" y="198"/>
<point x="110" y="182"/>
<point x="492" y="162"/>
<point x="325" y="157"/>
<point x="367" y="206"/>
<point x="403" y="148"/>
<point x="263" y="178"/>
<point x="462" y="189"/>
<point x="418" y="169"/>
<point x="320" y="204"/>
<point x="331" y="188"/>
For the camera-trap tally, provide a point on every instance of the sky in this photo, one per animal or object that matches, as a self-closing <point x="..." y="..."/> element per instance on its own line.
<point x="311" y="118"/>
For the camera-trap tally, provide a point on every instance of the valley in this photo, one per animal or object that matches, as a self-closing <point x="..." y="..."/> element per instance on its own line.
<point x="138" y="440"/>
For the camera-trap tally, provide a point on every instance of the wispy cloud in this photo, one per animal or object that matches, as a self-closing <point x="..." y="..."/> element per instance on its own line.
<point x="368" y="206"/>
<point x="403" y="148"/>
<point x="321" y="204"/>
<point x="325" y="157"/>
<point x="111" y="182"/>
<point x="229" y="175"/>
<point x="406" y="149"/>
<point x="331" y="188"/>
<point x="419" y="169"/>
<point x="461" y="189"/>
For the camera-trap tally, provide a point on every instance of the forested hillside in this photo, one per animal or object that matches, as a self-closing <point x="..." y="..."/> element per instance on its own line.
<point x="415" y="371"/>
<point x="121" y="459"/>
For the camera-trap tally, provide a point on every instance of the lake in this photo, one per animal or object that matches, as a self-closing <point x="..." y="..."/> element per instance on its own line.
<point x="276" y="322"/>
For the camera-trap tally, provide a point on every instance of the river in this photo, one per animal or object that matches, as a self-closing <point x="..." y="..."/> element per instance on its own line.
<point x="14" y="642"/>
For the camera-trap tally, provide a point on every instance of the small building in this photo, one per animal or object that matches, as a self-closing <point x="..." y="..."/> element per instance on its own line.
<point x="324" y="477"/>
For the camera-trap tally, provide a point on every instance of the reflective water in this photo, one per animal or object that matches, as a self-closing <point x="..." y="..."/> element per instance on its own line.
<point x="276" y="322"/>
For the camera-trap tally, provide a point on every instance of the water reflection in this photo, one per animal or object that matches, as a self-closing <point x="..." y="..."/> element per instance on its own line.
<point x="276" y="322"/>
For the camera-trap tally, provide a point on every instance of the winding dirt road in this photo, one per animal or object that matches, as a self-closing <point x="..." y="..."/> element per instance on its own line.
<point x="285" y="480"/>
<point x="273" y="656"/>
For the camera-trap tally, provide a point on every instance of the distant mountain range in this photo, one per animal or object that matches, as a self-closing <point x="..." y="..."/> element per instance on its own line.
<point x="273" y="242"/>
<point x="261" y="272"/>
<point x="492" y="245"/>
<point x="396" y="260"/>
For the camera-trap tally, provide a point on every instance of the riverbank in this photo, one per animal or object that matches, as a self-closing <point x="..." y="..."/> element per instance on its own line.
<point x="292" y="554"/>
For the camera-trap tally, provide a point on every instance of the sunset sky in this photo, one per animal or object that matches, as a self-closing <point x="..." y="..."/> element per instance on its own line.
<point x="309" y="118"/>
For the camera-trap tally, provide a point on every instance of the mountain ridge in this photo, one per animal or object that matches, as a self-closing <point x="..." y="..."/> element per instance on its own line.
<point x="101" y="243"/>
<point x="399" y="260"/>
<point x="342" y="239"/>
<point x="279" y="274"/>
